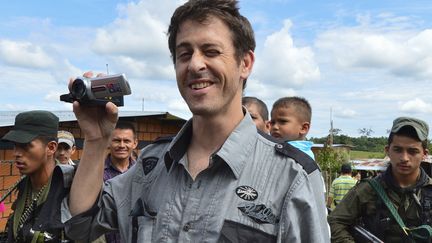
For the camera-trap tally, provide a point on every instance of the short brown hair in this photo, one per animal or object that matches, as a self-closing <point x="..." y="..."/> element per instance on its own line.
<point x="263" y="111"/>
<point x="227" y="10"/>
<point x="301" y="105"/>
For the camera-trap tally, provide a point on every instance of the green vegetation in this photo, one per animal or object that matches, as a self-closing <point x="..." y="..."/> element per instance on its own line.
<point x="366" y="155"/>
<point x="363" y="143"/>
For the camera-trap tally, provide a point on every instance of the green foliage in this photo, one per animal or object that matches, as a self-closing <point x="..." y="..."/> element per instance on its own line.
<point x="363" y="143"/>
<point x="366" y="155"/>
<point x="330" y="159"/>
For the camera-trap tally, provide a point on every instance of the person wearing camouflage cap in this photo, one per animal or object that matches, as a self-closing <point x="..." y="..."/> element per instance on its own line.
<point x="34" y="136"/>
<point x="404" y="185"/>
<point x="66" y="147"/>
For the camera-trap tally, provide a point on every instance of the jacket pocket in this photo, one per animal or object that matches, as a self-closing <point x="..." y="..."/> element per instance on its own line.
<point x="233" y="232"/>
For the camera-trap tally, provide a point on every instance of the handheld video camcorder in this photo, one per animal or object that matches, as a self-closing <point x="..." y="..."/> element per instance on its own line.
<point x="99" y="90"/>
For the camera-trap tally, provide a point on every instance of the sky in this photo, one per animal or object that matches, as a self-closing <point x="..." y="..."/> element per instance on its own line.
<point x="361" y="63"/>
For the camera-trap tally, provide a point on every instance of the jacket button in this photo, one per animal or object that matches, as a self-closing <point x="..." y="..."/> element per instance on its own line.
<point x="187" y="227"/>
<point x="279" y="146"/>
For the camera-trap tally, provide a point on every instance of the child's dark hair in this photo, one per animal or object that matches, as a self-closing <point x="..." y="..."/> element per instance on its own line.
<point x="301" y="105"/>
<point x="263" y="111"/>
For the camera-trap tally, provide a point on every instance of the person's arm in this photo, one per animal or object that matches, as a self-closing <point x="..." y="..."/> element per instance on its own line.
<point x="329" y="201"/>
<point x="345" y="215"/>
<point x="97" y="124"/>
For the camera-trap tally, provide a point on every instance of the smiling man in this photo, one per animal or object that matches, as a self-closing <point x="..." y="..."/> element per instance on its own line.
<point x="218" y="180"/>
<point x="123" y="142"/>
<point x="407" y="186"/>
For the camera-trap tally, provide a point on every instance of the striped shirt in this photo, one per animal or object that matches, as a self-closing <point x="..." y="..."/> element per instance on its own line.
<point x="340" y="187"/>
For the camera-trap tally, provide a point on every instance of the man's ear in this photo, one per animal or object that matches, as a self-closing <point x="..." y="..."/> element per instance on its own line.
<point x="247" y="63"/>
<point x="135" y="143"/>
<point x="426" y="153"/>
<point x="386" y="149"/>
<point x="51" y="148"/>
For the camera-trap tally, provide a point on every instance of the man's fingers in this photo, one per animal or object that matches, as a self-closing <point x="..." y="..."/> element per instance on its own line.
<point x="112" y="112"/>
<point x="88" y="74"/>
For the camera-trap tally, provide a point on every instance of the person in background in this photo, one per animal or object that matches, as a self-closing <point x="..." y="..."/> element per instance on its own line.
<point x="290" y="121"/>
<point x="356" y="175"/>
<point x="36" y="211"/>
<point x="258" y="111"/>
<point x="406" y="186"/>
<point x="119" y="160"/>
<point x="340" y="186"/>
<point x="66" y="147"/>
<point x="123" y="142"/>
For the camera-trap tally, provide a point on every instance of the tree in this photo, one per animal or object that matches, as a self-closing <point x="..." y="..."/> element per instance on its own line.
<point x="367" y="132"/>
<point x="330" y="161"/>
<point x="335" y="131"/>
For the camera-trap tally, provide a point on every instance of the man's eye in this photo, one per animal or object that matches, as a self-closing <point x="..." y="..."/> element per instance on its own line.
<point x="397" y="150"/>
<point x="413" y="151"/>
<point x="212" y="53"/>
<point x="183" y="55"/>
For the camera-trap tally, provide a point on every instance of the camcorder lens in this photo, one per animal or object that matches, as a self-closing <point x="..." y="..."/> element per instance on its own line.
<point x="78" y="90"/>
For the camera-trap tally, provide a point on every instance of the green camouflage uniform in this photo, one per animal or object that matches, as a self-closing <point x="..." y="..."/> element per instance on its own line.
<point x="362" y="204"/>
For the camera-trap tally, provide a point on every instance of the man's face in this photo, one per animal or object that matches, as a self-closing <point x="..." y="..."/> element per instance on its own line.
<point x="405" y="155"/>
<point x="30" y="157"/>
<point x="254" y="111"/>
<point x="122" y="144"/>
<point x="64" y="153"/>
<point x="285" y="124"/>
<point x="208" y="75"/>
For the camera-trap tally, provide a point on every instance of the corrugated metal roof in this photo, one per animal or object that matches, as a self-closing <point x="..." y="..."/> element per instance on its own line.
<point x="337" y="145"/>
<point x="7" y="118"/>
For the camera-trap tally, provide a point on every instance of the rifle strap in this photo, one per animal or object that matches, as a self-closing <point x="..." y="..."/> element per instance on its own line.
<point x="422" y="232"/>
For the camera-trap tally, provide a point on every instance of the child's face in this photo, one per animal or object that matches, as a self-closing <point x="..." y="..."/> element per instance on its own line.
<point x="256" y="117"/>
<point x="286" y="125"/>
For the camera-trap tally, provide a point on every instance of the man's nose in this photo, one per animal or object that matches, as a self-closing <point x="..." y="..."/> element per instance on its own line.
<point x="17" y="152"/>
<point x="404" y="156"/>
<point x="197" y="62"/>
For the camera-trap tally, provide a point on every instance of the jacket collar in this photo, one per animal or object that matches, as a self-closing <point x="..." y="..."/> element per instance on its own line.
<point x="234" y="152"/>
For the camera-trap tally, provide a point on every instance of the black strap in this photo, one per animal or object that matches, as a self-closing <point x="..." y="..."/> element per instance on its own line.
<point x="308" y="164"/>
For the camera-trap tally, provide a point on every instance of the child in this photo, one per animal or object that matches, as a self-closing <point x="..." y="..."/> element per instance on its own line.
<point x="258" y="111"/>
<point x="290" y="121"/>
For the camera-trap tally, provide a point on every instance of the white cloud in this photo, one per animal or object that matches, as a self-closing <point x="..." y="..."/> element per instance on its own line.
<point x="388" y="49"/>
<point x="281" y="62"/>
<point x="345" y="113"/>
<point x="267" y="90"/>
<point x="416" y="106"/>
<point x="180" y="106"/>
<point x="24" y="54"/>
<point x="136" y="41"/>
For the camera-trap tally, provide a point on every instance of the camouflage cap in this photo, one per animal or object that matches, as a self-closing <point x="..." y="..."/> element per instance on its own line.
<point x="421" y="127"/>
<point x="66" y="137"/>
<point x="30" y="124"/>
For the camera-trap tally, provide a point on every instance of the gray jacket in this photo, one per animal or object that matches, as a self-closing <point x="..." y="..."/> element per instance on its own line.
<point x="252" y="190"/>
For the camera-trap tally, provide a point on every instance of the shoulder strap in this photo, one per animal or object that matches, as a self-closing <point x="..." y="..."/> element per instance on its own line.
<point x="423" y="232"/>
<point x="308" y="164"/>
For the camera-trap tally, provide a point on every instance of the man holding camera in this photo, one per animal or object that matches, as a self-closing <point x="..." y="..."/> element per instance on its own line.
<point x="218" y="179"/>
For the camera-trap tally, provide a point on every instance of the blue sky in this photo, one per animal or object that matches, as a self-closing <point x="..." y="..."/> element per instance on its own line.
<point x="367" y="61"/>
